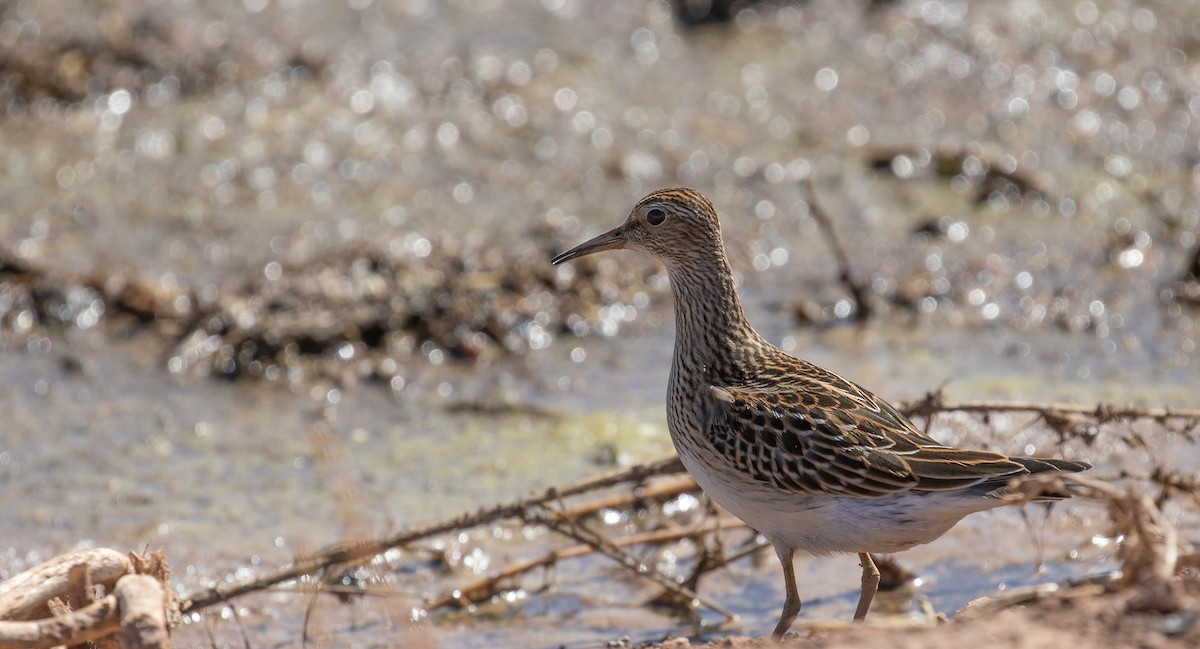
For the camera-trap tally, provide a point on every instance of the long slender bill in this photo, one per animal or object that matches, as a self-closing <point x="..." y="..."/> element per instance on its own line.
<point x="614" y="239"/>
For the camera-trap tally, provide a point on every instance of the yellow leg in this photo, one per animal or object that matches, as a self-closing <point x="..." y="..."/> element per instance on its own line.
<point x="870" y="584"/>
<point x="791" y="604"/>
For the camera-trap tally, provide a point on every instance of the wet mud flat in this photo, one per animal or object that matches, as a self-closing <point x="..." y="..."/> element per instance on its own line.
<point x="274" y="279"/>
<point x="1108" y="620"/>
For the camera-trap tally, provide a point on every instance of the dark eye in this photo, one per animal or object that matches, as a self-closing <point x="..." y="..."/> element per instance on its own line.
<point x="656" y="216"/>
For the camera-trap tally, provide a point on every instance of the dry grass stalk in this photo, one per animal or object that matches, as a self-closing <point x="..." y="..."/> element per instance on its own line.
<point x="1069" y="419"/>
<point x="1150" y="551"/>
<point x="491" y="585"/>
<point x="571" y="528"/>
<point x="857" y="289"/>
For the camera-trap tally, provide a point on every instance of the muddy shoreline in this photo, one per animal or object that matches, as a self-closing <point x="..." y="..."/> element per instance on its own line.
<point x="275" y="275"/>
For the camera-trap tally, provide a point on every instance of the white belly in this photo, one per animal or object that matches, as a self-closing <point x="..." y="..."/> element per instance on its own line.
<point x="821" y="524"/>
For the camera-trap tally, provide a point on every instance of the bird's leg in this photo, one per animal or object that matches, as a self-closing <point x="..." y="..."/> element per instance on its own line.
<point x="870" y="584"/>
<point x="791" y="603"/>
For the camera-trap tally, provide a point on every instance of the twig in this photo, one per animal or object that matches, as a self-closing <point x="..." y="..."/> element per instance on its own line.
<point x="1150" y="550"/>
<point x="950" y="157"/>
<point x="1067" y="419"/>
<point x="989" y="605"/>
<point x="352" y="552"/>
<point x="657" y="491"/>
<point x="135" y="609"/>
<point x="858" y="293"/>
<point x="1102" y="412"/>
<point x="486" y="587"/>
<point x="570" y="528"/>
<point x="705" y="566"/>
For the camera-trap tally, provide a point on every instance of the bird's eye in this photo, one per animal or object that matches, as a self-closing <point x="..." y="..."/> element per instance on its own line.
<point x="656" y="216"/>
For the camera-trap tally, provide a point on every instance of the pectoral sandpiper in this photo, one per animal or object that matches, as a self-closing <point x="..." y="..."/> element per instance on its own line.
<point x="807" y="458"/>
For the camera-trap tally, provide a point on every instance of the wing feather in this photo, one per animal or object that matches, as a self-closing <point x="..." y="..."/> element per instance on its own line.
<point x="813" y="431"/>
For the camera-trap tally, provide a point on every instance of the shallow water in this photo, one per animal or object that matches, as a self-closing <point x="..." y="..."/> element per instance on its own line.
<point x="416" y="120"/>
<point x="234" y="479"/>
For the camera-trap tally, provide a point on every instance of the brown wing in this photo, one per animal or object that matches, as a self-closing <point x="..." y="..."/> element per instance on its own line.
<point x="813" y="431"/>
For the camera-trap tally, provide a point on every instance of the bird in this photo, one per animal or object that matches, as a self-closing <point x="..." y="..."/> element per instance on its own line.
<point x="811" y="461"/>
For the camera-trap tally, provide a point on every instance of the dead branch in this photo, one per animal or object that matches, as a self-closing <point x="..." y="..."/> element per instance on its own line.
<point x="355" y="552"/>
<point x="1066" y="419"/>
<point x="1150" y="547"/>
<point x="933" y="403"/>
<point x="1150" y="551"/>
<point x="991" y="604"/>
<point x="487" y="587"/>
<point x="711" y="562"/>
<point x="950" y="158"/>
<point x="657" y="491"/>
<point x="858" y="292"/>
<point x="535" y="510"/>
<point x="351" y="553"/>
<point x="572" y="529"/>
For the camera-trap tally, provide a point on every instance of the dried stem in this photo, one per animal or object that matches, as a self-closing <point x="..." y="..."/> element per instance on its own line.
<point x="492" y="584"/>
<point x="570" y="528"/>
<point x="933" y="403"/>
<point x="949" y="158"/>
<point x="355" y="552"/>
<point x="858" y="292"/>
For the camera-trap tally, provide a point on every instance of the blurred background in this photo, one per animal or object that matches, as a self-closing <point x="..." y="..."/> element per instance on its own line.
<point x="274" y="273"/>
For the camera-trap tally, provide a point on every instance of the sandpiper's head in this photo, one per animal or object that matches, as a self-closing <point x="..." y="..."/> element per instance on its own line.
<point x="669" y="224"/>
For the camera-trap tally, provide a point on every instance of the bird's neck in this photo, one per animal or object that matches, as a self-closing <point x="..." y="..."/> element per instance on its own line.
<point x="711" y="330"/>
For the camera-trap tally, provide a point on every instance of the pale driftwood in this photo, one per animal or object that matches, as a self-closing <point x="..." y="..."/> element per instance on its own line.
<point x="24" y="596"/>
<point x="143" y="617"/>
<point x="51" y="604"/>
<point x="135" y="610"/>
<point x="89" y="623"/>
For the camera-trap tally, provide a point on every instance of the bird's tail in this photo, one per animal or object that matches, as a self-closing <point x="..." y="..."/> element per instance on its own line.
<point x="1045" y="465"/>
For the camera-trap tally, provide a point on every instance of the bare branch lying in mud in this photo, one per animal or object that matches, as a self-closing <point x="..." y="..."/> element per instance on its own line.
<point x="1150" y="550"/>
<point x="1151" y="553"/>
<point x="985" y="606"/>
<point x="492" y="584"/>
<point x="346" y="554"/>
<point x="933" y="403"/>
<point x="571" y="528"/>
<point x="534" y="509"/>
<point x="1067" y="419"/>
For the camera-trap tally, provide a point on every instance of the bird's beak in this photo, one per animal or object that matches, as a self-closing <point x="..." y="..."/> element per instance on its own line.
<point x="614" y="239"/>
